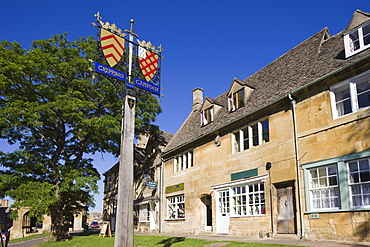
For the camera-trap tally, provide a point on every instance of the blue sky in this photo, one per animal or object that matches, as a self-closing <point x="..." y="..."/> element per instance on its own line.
<point x="206" y="42"/>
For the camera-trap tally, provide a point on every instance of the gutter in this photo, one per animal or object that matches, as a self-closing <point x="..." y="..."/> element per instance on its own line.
<point x="269" y="104"/>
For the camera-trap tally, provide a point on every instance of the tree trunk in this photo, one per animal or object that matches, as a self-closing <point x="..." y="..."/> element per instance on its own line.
<point x="58" y="231"/>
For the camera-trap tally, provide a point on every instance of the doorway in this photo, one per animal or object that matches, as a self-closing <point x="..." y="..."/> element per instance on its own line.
<point x="286" y="208"/>
<point x="207" y="202"/>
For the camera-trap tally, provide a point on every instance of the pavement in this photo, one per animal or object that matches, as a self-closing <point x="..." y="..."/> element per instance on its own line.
<point x="27" y="243"/>
<point x="276" y="240"/>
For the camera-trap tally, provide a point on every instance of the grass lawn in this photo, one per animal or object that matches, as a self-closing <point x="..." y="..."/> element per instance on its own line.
<point x="93" y="240"/>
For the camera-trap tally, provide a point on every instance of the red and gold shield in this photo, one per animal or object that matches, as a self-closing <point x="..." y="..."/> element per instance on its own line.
<point x="148" y="63"/>
<point x="112" y="46"/>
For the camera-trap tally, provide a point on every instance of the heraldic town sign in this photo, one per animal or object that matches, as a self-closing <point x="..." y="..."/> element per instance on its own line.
<point x="115" y="54"/>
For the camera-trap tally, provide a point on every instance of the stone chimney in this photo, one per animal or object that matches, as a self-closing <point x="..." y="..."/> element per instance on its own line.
<point x="142" y="140"/>
<point x="4" y="203"/>
<point x="197" y="99"/>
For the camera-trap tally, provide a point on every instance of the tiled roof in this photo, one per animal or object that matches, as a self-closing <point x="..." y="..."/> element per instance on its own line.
<point x="308" y="61"/>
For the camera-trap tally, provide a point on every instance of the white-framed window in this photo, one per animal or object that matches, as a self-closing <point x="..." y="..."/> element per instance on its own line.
<point x="338" y="184"/>
<point x="237" y="100"/>
<point x="351" y="95"/>
<point x="242" y="198"/>
<point x="183" y="161"/>
<point x="357" y="40"/>
<point x="249" y="200"/>
<point x="250" y="136"/>
<point x="207" y="116"/>
<point x="176" y="207"/>
<point x="359" y="182"/>
<point x="144" y="212"/>
<point x="324" y="188"/>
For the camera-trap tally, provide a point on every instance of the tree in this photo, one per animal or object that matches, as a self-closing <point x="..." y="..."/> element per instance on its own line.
<point x="56" y="111"/>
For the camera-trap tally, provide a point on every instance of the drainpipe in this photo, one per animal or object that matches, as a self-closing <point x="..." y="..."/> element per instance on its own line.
<point x="293" y="102"/>
<point x="160" y="185"/>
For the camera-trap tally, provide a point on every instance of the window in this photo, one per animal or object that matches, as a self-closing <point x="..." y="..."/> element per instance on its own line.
<point x="359" y="181"/>
<point x="236" y="100"/>
<point x="183" y="161"/>
<point x="176" y="207"/>
<point x="351" y="96"/>
<point x="242" y="198"/>
<point x="324" y="187"/>
<point x="338" y="184"/>
<point x="250" y="136"/>
<point x="207" y="116"/>
<point x="249" y="200"/>
<point x="357" y="40"/>
<point x="224" y="202"/>
<point x="144" y="212"/>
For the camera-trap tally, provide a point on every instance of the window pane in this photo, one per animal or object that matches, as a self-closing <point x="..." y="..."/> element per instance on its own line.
<point x="236" y="142"/>
<point x="366" y="188"/>
<point x="240" y="98"/>
<point x="364" y="165"/>
<point x="332" y="170"/>
<point x="246" y="138"/>
<point x="342" y="99"/>
<point x="314" y="173"/>
<point x="363" y="91"/>
<point x="265" y="131"/>
<point x="315" y="183"/>
<point x="255" y="134"/>
<point x="354" y="43"/>
<point x="366" y="34"/>
<point x="353" y="166"/>
<point x="365" y="176"/>
<point x="356" y="201"/>
<point x="333" y="181"/>
<point x="322" y="172"/>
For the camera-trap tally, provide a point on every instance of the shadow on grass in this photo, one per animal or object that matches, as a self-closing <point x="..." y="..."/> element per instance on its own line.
<point x="169" y="241"/>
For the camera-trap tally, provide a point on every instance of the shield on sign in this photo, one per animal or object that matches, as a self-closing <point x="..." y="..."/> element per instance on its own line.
<point x="112" y="46"/>
<point x="148" y="63"/>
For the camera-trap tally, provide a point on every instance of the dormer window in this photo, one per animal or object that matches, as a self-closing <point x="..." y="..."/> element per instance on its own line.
<point x="237" y="100"/>
<point x="357" y="40"/>
<point x="207" y="116"/>
<point x="238" y="94"/>
<point x="209" y="110"/>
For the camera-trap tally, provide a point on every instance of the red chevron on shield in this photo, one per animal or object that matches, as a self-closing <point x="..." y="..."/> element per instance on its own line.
<point x="112" y="46"/>
<point x="148" y="63"/>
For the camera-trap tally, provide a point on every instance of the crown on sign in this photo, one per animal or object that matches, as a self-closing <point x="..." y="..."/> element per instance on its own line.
<point x="112" y="27"/>
<point x="149" y="46"/>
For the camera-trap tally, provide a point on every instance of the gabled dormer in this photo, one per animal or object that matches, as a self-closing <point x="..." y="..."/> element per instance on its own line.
<point x="208" y="110"/>
<point x="238" y="94"/>
<point x="357" y="35"/>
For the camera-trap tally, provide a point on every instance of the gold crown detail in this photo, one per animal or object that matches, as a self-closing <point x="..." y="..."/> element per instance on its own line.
<point x="112" y="27"/>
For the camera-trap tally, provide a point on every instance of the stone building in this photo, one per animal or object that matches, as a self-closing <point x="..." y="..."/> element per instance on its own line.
<point x="284" y="151"/>
<point x="25" y="225"/>
<point x="5" y="221"/>
<point x="147" y="184"/>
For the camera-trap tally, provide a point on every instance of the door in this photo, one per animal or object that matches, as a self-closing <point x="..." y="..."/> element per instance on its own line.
<point x="223" y="212"/>
<point x="286" y="209"/>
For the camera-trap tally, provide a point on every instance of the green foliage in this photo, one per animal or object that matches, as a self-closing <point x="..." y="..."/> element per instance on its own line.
<point x="53" y="107"/>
